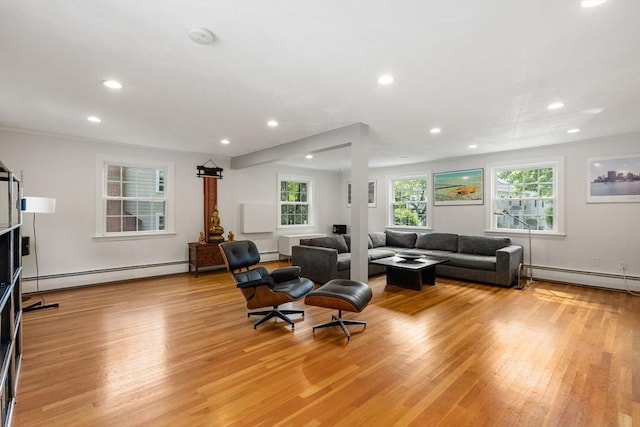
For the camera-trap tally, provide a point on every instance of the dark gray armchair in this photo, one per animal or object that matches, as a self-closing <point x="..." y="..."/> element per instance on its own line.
<point x="261" y="288"/>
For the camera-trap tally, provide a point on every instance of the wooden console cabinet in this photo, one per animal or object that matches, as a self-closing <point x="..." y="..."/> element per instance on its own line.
<point x="208" y="255"/>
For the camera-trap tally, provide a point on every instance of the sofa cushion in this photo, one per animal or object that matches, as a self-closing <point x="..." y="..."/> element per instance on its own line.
<point x="344" y="261"/>
<point x="347" y="239"/>
<point x="378" y="253"/>
<point x="334" y="242"/>
<point x="434" y="253"/>
<point x="438" y="241"/>
<point x="475" y="262"/>
<point x="482" y="245"/>
<point x="401" y="239"/>
<point x="378" y="238"/>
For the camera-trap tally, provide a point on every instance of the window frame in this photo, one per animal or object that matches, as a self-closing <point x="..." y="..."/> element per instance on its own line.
<point x="102" y="164"/>
<point x="555" y="163"/>
<point x="429" y="211"/>
<point x="309" y="203"/>
<point x="161" y="180"/>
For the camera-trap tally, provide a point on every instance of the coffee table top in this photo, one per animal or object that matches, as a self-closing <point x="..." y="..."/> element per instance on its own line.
<point x="417" y="264"/>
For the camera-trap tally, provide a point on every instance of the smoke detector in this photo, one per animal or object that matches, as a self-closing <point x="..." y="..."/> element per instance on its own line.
<point x="201" y="35"/>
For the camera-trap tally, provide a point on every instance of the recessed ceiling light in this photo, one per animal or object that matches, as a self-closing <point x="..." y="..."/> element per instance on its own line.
<point x="309" y="156"/>
<point x="94" y="119"/>
<point x="576" y="130"/>
<point x="272" y="123"/>
<point x="112" y="84"/>
<point x="224" y="141"/>
<point x="201" y="35"/>
<point x="385" y="79"/>
<point x="473" y="146"/>
<point x="435" y="130"/>
<point x="591" y="3"/>
<point x="555" y="105"/>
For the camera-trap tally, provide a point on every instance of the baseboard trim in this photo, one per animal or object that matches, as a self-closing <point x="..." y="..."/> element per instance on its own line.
<point x="51" y="282"/>
<point x="585" y="278"/>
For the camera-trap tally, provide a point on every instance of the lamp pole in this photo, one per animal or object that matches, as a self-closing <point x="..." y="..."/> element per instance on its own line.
<point x="505" y="212"/>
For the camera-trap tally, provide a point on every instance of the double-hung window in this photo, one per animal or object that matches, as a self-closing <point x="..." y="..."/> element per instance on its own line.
<point x="530" y="193"/>
<point x="134" y="198"/>
<point x="294" y="200"/>
<point x="409" y="201"/>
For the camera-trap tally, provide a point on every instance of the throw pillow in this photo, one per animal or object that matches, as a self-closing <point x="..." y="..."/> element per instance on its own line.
<point x="378" y="238"/>
<point x="401" y="239"/>
<point x="334" y="242"/>
<point x="438" y="241"/>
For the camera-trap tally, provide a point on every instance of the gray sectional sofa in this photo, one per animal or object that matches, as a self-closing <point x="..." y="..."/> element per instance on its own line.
<point x="484" y="259"/>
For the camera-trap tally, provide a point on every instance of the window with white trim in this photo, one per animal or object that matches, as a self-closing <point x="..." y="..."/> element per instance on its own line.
<point x="409" y="201"/>
<point x="529" y="193"/>
<point x="133" y="198"/>
<point x="294" y="201"/>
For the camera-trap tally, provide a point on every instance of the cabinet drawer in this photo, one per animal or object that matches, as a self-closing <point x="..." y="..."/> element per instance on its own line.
<point x="205" y="256"/>
<point x="209" y="257"/>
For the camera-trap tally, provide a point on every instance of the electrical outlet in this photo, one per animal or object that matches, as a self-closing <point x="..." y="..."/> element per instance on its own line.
<point x="595" y="262"/>
<point x="622" y="265"/>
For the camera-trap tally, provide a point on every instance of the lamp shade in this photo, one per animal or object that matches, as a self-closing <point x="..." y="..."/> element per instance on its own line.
<point x="38" y="204"/>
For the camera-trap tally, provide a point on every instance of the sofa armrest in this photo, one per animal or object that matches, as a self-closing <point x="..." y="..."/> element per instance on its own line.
<point x="316" y="263"/>
<point x="508" y="262"/>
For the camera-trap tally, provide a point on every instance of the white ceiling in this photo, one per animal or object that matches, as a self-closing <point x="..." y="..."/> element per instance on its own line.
<point x="483" y="71"/>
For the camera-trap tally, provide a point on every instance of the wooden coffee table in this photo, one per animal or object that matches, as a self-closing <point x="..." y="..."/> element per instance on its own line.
<point x="410" y="274"/>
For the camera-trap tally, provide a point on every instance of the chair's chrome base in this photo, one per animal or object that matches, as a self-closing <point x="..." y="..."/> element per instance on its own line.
<point x="339" y="321"/>
<point x="276" y="313"/>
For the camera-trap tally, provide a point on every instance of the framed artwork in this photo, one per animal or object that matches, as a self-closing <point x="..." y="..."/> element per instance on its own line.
<point x="613" y="179"/>
<point x="465" y="187"/>
<point x="371" y="196"/>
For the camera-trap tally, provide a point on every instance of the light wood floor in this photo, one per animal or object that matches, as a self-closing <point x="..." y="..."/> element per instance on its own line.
<point x="180" y="351"/>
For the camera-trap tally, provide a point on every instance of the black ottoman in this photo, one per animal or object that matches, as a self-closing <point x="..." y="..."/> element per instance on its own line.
<point x="341" y="294"/>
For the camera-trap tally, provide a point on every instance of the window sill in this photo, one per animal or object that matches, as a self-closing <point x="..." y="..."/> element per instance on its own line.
<point x="536" y="233"/>
<point x="408" y="228"/>
<point x="136" y="236"/>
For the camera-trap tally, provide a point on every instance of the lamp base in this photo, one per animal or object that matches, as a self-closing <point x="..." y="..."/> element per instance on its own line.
<point x="40" y="306"/>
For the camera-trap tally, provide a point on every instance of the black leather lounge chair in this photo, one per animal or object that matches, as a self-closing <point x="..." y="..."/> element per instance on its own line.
<point x="261" y="288"/>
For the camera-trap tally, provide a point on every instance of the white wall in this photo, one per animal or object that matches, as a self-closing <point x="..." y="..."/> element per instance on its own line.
<point x="259" y="184"/>
<point x="65" y="168"/>
<point x="609" y="232"/>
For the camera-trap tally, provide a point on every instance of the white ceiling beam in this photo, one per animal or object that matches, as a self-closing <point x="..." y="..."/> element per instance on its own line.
<point x="325" y="141"/>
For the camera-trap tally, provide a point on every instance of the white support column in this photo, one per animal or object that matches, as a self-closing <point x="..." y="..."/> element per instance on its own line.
<point x="359" y="203"/>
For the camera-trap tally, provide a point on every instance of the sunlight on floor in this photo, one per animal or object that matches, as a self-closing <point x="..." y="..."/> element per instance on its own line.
<point x="134" y="354"/>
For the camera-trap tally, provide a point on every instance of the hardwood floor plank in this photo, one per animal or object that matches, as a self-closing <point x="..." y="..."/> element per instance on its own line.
<point x="181" y="351"/>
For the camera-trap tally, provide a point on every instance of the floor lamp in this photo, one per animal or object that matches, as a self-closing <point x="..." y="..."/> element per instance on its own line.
<point x="505" y="212"/>
<point x="37" y="205"/>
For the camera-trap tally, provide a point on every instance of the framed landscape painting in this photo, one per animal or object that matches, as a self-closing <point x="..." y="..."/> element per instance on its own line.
<point x="613" y="179"/>
<point x="371" y="194"/>
<point x="465" y="187"/>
